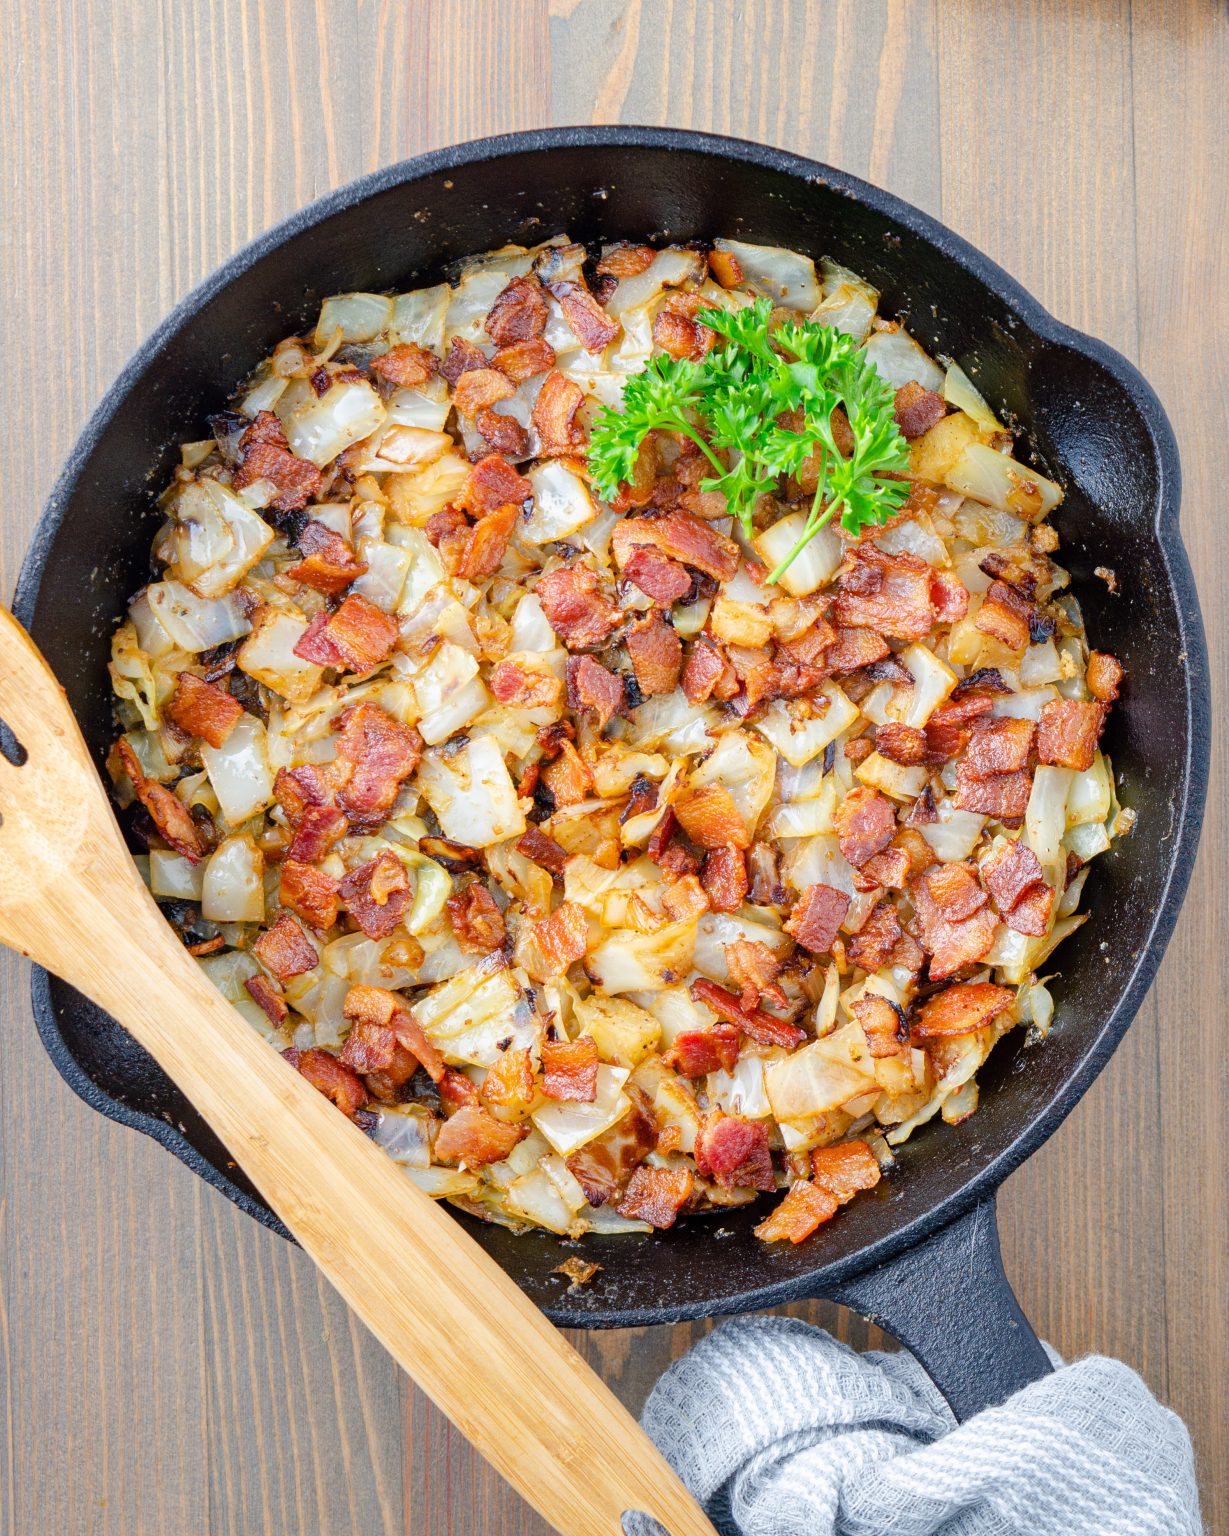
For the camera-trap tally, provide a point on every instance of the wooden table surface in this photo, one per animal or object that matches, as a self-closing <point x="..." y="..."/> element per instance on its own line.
<point x="168" y="1367"/>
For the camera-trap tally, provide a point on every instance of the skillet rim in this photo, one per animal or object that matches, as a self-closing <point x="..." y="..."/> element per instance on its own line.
<point x="1036" y="320"/>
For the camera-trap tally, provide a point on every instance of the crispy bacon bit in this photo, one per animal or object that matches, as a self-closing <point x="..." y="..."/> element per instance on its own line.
<point x="724" y="878"/>
<point x="676" y="329"/>
<point x="170" y="815"/>
<point x="883" y="1024"/>
<point x="310" y="893"/>
<point x="697" y="1052"/>
<point x="593" y="327"/>
<point x="657" y="1195"/>
<point x="576" y="1270"/>
<point x="554" y="415"/>
<point x="876" y="939"/>
<point x="473" y="1138"/>
<point x="375" y="754"/>
<point x="845" y="1169"/>
<point x="264" y="454"/>
<point x="918" y="409"/>
<point x="519" y="313"/>
<point x="502" y="433"/>
<point x="865" y="822"/>
<point x="1003" y="796"/>
<point x="569" y="1069"/>
<point x="656" y="654"/>
<point x="858" y="749"/>
<point x="285" y="949"/>
<point x="463" y="356"/>
<point x="1005" y="614"/>
<point x="950" y="597"/>
<point x="1070" y="730"/>
<point x="817" y="916"/>
<point x="319" y="828"/>
<point x="314" y="645"/>
<point x="374" y="1009"/>
<point x="760" y="1026"/>
<point x="665" y="581"/>
<point x="626" y="260"/>
<point x="568" y="777"/>
<point x="679" y="536"/>
<point x="591" y="686"/>
<point x="359" y="634"/>
<point x="268" y="997"/>
<point x="1016" y="882"/>
<point x="726" y="268"/>
<point x="377" y="894"/>
<point x="886" y="593"/>
<point x="855" y="648"/>
<point x="542" y="850"/>
<point x="406" y="365"/>
<point x="562" y="937"/>
<point x="576" y="608"/>
<point x="476" y="920"/>
<point x="805" y="1208"/>
<point x="734" y="1152"/>
<point x="1000" y="746"/>
<point x="754" y="970"/>
<point x="329" y="563"/>
<point x="486" y="544"/>
<point x="684" y="898"/>
<point x="890" y="869"/>
<point x="331" y="1078"/>
<point x="950" y="942"/>
<point x="710" y="818"/>
<point x="1104" y="676"/>
<point x="954" y="889"/>
<point x="457" y="1091"/>
<point x="480" y="388"/>
<point x="508" y="1084"/>
<point x="961" y="1010"/>
<point x="705" y="666"/>
<point x="904" y="744"/>
<point x="491" y="484"/>
<point x="524" y="359"/>
<point x="524" y="687"/>
<point x="203" y="709"/>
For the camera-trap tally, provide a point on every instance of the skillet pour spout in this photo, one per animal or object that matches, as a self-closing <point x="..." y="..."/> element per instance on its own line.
<point x="920" y="1254"/>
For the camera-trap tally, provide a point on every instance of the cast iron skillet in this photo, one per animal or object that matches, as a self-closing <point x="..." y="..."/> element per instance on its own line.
<point x="923" y="1257"/>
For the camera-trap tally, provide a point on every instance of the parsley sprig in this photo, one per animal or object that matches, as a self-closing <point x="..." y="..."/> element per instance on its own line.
<point x="737" y="399"/>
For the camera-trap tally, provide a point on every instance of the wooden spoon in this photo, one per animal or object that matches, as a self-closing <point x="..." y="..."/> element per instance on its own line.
<point x="72" y="900"/>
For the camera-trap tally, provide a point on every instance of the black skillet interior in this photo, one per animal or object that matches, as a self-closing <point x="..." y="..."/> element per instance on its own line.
<point x="1086" y="415"/>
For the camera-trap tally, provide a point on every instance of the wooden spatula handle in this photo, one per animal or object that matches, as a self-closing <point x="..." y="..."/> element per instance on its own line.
<point x="71" y="898"/>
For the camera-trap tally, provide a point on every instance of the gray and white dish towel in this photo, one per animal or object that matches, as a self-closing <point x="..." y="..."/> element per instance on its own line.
<point x="781" y="1431"/>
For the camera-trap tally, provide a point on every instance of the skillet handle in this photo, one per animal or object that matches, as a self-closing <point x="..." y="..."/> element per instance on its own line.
<point x="948" y="1301"/>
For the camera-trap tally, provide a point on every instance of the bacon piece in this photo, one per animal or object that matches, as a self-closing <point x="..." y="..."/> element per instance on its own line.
<point x="593" y="327"/>
<point x="524" y="359"/>
<point x="457" y="1091"/>
<point x="626" y="260"/>
<point x="329" y="563"/>
<point x="310" y="893"/>
<point x="480" y="388"/>
<point x="1003" y="796"/>
<point x="502" y="433"/>
<point x="314" y="645"/>
<point x="358" y="636"/>
<point x="448" y="531"/>
<point x="891" y="868"/>
<point x="886" y="593"/>
<point x="474" y="1138"/>
<point x="657" y="1195"/>
<point x="950" y="942"/>
<point x="203" y="709"/>
<point x="285" y="949"/>
<point x="297" y="789"/>
<point x="554" y="415"/>
<point x="406" y="365"/>
<point x="330" y="1077"/>
<point x="710" y="818"/>
<point x="961" y="1010"/>
<point x="734" y="1152"/>
<point x="902" y="743"/>
<point x="591" y="686"/>
<point x="1000" y="746"/>
<point x="568" y="777"/>
<point x="656" y="654"/>
<point x="679" y="536"/>
<point x="264" y="454"/>
<point x="375" y="754"/>
<point x="1104" y="676"/>
<point x="508" y="1084"/>
<point x="760" y="1026"/>
<point x="917" y="409"/>
<point x="519" y="313"/>
<point x="704" y="669"/>
<point x="476" y="920"/>
<point x="168" y="812"/>
<point x="754" y="970"/>
<point x="576" y="608"/>
<point x="562" y="937"/>
<point x="493" y="483"/>
<point x="386" y="1038"/>
<point x="876" y="939"/>
<point x="1069" y="732"/>
<point x="486" y="544"/>
<point x="950" y="597"/>
<point x="865" y="822"/>
<point x="1005" y="614"/>
<point x="463" y="356"/>
<point x="525" y="688"/>
<point x="319" y="828"/>
<point x="377" y="894"/>
<point x="268" y="997"/>
<point x="542" y="850"/>
<point x="1009" y="873"/>
<point x="954" y="888"/>
<point x="676" y="329"/>
<point x="805" y="1208"/>
<point x="817" y="916"/>
<point x="845" y="1169"/>
<point x="883" y="1024"/>
<point x="697" y="1052"/>
<point x="855" y="648"/>
<point x="569" y="1069"/>
<point x="1031" y="914"/>
<point x="724" y="878"/>
<point x="684" y="899"/>
<point x="664" y="580"/>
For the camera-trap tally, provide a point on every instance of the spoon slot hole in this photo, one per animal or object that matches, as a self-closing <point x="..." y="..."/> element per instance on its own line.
<point x="11" y="749"/>
<point x="635" y="1522"/>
